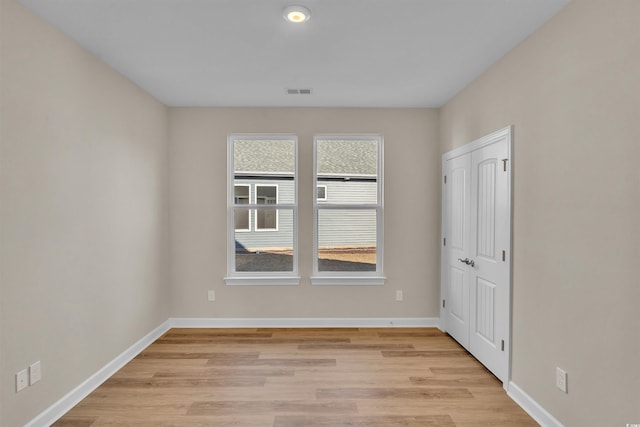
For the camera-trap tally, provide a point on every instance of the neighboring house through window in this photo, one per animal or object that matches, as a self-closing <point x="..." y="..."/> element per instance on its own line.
<point x="321" y="192"/>
<point x="262" y="207"/>
<point x="348" y="223"/>
<point x="242" y="196"/>
<point x="267" y="219"/>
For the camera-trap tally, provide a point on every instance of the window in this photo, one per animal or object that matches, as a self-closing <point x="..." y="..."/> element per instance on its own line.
<point x="348" y="226"/>
<point x="262" y="210"/>
<point x="267" y="219"/>
<point x="241" y="197"/>
<point x="321" y="192"/>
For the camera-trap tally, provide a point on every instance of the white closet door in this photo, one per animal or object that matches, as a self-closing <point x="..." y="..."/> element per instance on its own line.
<point x="476" y="252"/>
<point x="489" y="239"/>
<point x="458" y="204"/>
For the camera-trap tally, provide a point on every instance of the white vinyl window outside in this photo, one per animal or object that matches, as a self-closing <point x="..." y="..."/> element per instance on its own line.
<point x="262" y="210"/>
<point x="348" y="227"/>
<point x="242" y="196"/>
<point x="321" y="193"/>
<point x="267" y="219"/>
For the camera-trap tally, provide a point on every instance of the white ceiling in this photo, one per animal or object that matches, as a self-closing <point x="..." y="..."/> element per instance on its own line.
<point x="351" y="53"/>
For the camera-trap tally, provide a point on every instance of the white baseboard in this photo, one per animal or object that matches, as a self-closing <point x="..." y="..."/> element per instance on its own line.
<point x="441" y="323"/>
<point x="293" y="322"/>
<point x="62" y="406"/>
<point x="533" y="408"/>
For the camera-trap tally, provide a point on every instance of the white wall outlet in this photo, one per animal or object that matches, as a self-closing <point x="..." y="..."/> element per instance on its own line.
<point x="399" y="295"/>
<point x="211" y="295"/>
<point x="561" y="379"/>
<point x="22" y="380"/>
<point x="35" y="373"/>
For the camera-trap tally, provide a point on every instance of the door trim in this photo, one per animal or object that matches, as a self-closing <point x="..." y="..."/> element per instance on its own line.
<point x="502" y="134"/>
<point x="506" y="132"/>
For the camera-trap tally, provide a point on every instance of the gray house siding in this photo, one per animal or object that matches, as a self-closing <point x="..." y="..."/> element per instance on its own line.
<point x="254" y="239"/>
<point x="347" y="228"/>
<point x="338" y="228"/>
<point x="346" y="167"/>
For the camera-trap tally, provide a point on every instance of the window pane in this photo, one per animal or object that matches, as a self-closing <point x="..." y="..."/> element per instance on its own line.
<point x="257" y="252"/>
<point x="347" y="239"/>
<point x="266" y="194"/>
<point x="267" y="219"/>
<point x="349" y="170"/>
<point x="262" y="170"/>
<point x="241" y="197"/>
<point x="242" y="220"/>
<point x="257" y="158"/>
<point x="322" y="192"/>
<point x="241" y="194"/>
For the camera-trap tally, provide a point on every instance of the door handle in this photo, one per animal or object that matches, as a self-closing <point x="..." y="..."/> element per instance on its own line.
<point x="467" y="261"/>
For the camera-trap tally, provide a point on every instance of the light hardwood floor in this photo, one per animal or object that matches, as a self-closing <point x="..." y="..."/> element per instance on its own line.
<point x="356" y="377"/>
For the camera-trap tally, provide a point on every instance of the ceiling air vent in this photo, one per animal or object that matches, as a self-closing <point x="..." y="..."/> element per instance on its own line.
<point x="298" y="91"/>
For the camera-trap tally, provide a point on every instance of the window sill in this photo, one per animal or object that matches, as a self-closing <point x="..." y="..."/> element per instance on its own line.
<point x="348" y="280"/>
<point x="264" y="280"/>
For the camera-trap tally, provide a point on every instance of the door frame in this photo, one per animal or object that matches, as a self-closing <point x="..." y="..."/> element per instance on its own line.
<point x="502" y="134"/>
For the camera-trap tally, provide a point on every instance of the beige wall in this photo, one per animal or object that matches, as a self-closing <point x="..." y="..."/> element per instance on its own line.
<point x="198" y="168"/>
<point x="573" y="95"/>
<point x="84" y="192"/>
<point x="84" y="223"/>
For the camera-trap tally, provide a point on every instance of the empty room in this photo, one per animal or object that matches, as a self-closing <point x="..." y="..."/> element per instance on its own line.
<point x="319" y="213"/>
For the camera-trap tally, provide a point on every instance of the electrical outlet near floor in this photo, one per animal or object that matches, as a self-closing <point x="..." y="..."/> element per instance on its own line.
<point x="35" y="373"/>
<point x="211" y="295"/>
<point x="22" y="380"/>
<point x="561" y="379"/>
<point x="399" y="295"/>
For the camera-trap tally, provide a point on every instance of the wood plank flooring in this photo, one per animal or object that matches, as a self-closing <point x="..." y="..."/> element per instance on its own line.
<point x="414" y="377"/>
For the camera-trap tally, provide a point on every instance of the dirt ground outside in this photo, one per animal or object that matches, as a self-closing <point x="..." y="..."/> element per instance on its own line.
<point x="365" y="255"/>
<point x="333" y="259"/>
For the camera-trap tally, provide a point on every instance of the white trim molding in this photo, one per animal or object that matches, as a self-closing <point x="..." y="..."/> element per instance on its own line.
<point x="256" y="277"/>
<point x="504" y="133"/>
<point x="347" y="277"/>
<point x="71" y="399"/>
<point x="531" y="407"/>
<point x="262" y="280"/>
<point x="314" y="322"/>
<point x="62" y="406"/>
<point x="348" y="280"/>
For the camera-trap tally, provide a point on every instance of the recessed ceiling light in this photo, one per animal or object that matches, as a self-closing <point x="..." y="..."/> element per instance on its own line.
<point x="296" y="14"/>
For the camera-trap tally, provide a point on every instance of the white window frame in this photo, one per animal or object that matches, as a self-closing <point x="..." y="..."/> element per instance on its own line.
<point x="350" y="277"/>
<point x="243" y="230"/>
<point x="259" y="277"/>
<point x="255" y="201"/>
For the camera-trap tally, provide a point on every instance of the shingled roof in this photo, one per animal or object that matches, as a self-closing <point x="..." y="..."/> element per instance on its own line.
<point x="347" y="157"/>
<point x="272" y="157"/>
<point x="335" y="157"/>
